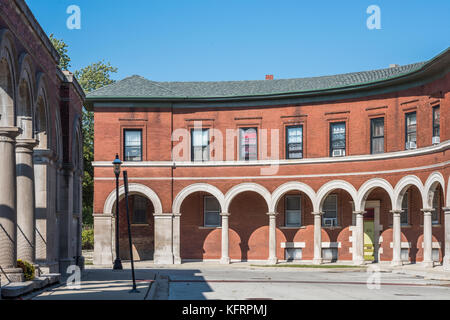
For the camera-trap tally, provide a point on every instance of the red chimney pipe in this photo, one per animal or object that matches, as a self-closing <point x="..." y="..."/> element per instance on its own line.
<point x="269" y="76"/>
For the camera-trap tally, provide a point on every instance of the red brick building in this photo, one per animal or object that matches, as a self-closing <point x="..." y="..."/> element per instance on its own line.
<point x="351" y="167"/>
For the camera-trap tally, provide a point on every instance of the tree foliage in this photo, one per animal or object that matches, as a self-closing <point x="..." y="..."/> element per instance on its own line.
<point x="91" y="77"/>
<point x="61" y="47"/>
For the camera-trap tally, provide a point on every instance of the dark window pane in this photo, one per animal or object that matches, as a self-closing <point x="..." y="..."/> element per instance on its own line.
<point x="140" y="205"/>
<point x="212" y="212"/>
<point x="404" y="214"/>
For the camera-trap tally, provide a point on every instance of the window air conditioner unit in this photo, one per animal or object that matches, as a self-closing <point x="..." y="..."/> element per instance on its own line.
<point x="327" y="222"/>
<point x="411" y="145"/>
<point x="338" y="153"/>
<point x="436" y="140"/>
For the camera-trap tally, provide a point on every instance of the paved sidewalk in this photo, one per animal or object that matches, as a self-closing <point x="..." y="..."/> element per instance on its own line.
<point x="99" y="283"/>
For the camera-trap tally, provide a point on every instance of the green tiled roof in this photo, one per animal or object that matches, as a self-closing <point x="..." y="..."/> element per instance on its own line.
<point x="140" y="88"/>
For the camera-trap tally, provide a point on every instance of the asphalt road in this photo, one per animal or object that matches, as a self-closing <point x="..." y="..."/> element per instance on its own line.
<point x="296" y="284"/>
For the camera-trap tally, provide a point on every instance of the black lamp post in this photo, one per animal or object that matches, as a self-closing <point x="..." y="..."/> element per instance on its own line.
<point x="117" y="163"/>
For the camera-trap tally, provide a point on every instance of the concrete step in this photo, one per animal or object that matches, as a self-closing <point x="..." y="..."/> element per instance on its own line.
<point x="52" y="277"/>
<point x="17" y="289"/>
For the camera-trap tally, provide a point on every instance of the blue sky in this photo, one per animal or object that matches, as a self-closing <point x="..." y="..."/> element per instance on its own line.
<point x="211" y="40"/>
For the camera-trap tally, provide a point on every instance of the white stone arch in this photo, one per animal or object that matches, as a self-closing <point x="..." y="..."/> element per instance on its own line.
<point x="41" y="112"/>
<point x="243" y="187"/>
<point x="329" y="187"/>
<point x="133" y="188"/>
<point x="368" y="187"/>
<point x="197" y="187"/>
<point x="25" y="97"/>
<point x="8" y="76"/>
<point x="292" y="186"/>
<point x="401" y="188"/>
<point x="435" y="179"/>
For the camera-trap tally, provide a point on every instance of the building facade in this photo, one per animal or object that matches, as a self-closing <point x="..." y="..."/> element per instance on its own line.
<point x="40" y="149"/>
<point x="351" y="167"/>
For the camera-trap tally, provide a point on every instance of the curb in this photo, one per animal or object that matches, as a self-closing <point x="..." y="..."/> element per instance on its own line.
<point x="160" y="283"/>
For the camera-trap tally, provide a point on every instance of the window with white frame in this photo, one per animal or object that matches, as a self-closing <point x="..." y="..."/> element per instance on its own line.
<point x="293" y="211"/>
<point x="377" y="135"/>
<point x="200" y="144"/>
<point x="411" y="129"/>
<point x="248" y="144"/>
<point x="404" y="217"/>
<point x="330" y="211"/>
<point x="294" y="142"/>
<point x="132" y="145"/>
<point x="436" y="206"/>
<point x="436" y="122"/>
<point x="337" y="139"/>
<point x="211" y="208"/>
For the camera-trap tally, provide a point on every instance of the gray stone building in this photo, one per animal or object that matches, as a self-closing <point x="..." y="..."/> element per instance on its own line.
<point x="41" y="161"/>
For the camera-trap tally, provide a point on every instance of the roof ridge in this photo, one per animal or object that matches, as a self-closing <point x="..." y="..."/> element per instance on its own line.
<point x="114" y="83"/>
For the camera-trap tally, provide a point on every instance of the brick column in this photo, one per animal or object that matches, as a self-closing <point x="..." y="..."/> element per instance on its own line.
<point x="427" y="238"/>
<point x="396" y="238"/>
<point x="358" y="239"/>
<point x="225" y="259"/>
<point x="8" y="212"/>
<point x="26" y="236"/>
<point x="447" y="239"/>
<point x="317" y="237"/>
<point x="272" y="238"/>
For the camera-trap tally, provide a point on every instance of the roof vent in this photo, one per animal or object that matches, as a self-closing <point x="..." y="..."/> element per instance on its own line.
<point x="269" y="76"/>
<point x="394" y="65"/>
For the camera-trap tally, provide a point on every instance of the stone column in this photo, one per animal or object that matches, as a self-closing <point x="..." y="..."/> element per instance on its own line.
<point x="26" y="223"/>
<point x="447" y="239"/>
<point x="358" y="239"/>
<point x="317" y="237"/>
<point x="163" y="239"/>
<point x="104" y="239"/>
<point x="44" y="187"/>
<point x="427" y="238"/>
<point x="272" y="238"/>
<point x="225" y="244"/>
<point x="396" y="238"/>
<point x="176" y="238"/>
<point x="8" y="212"/>
<point x="65" y="219"/>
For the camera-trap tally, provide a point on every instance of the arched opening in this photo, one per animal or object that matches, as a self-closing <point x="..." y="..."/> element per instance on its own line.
<point x="336" y="201"/>
<point x="249" y="227"/>
<point x="41" y="124"/>
<point x="200" y="223"/>
<point x="24" y="111"/>
<point x="6" y="95"/>
<point x="141" y="212"/>
<point x="295" y="224"/>
<point x="377" y="224"/>
<point x="410" y="200"/>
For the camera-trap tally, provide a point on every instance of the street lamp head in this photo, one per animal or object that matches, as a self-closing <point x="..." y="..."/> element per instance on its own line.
<point x="117" y="163"/>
